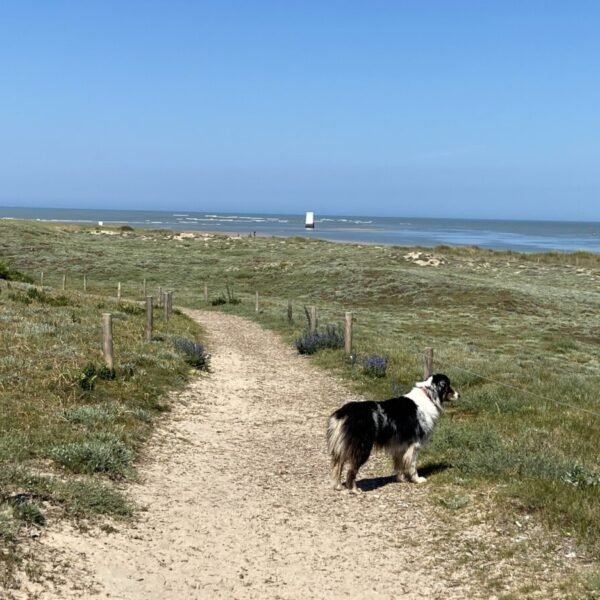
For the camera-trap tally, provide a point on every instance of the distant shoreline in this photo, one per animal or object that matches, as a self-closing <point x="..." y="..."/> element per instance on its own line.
<point x="519" y="236"/>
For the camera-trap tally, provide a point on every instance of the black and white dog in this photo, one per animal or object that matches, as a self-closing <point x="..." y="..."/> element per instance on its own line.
<point x="399" y="425"/>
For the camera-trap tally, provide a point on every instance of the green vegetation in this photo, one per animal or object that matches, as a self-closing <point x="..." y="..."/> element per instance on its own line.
<point x="69" y="426"/>
<point x="518" y="334"/>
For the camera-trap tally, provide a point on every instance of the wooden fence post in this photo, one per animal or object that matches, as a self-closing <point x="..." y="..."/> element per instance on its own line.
<point x="42" y="279"/>
<point x="107" y="340"/>
<point x="348" y="334"/>
<point x="119" y="292"/>
<point x="149" y="317"/>
<point x="144" y="288"/>
<point x="290" y="314"/>
<point x="167" y="305"/>
<point x="428" y="363"/>
<point x="64" y="284"/>
<point x="84" y="282"/>
<point x="313" y="319"/>
<point x="256" y="302"/>
<point x="205" y="293"/>
<point x="160" y="297"/>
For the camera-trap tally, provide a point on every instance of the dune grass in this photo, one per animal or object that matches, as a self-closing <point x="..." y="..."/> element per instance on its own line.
<point x="70" y="428"/>
<point x="518" y="333"/>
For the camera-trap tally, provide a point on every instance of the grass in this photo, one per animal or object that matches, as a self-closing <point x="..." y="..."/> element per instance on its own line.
<point x="518" y="334"/>
<point x="69" y="426"/>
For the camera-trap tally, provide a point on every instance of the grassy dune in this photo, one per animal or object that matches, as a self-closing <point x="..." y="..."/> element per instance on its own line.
<point x="519" y="335"/>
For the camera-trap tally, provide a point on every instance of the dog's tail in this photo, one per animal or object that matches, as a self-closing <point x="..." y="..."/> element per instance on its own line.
<point x="338" y="448"/>
<point x="336" y="438"/>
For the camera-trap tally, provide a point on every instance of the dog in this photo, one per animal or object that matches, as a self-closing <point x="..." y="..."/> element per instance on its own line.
<point x="400" y="426"/>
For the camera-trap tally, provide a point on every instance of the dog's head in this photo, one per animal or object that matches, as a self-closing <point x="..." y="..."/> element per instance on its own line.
<point x="439" y="385"/>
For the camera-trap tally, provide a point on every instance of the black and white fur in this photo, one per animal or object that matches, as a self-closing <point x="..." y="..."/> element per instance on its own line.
<point x="399" y="425"/>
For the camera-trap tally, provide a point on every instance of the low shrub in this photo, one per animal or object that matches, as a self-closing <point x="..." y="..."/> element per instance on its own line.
<point x="228" y="298"/>
<point x="374" y="365"/>
<point x="19" y="297"/>
<point x="10" y="275"/>
<point x="44" y="298"/>
<point x="29" y="513"/>
<point x="33" y="294"/>
<point x="194" y="354"/>
<point x="132" y="309"/>
<point x="91" y="373"/>
<point x="331" y="337"/>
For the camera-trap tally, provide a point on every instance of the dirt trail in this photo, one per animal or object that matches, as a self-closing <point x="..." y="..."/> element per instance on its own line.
<point x="237" y="501"/>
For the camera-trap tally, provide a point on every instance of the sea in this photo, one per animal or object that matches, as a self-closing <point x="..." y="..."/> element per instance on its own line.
<point x="521" y="236"/>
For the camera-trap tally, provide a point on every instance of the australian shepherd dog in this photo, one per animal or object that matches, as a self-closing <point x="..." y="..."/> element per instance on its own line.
<point x="400" y="426"/>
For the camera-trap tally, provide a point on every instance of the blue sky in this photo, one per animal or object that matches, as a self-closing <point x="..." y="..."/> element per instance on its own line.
<point x="413" y="108"/>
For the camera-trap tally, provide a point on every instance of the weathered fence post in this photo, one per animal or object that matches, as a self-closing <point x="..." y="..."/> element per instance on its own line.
<point x="257" y="306"/>
<point x="290" y="314"/>
<point x="84" y="282"/>
<point x="42" y="279"/>
<point x="64" y="284"/>
<point x="144" y="288"/>
<point x="107" y="340"/>
<point x="313" y="319"/>
<point x="160" y="297"/>
<point x="119" y="292"/>
<point x="348" y="334"/>
<point x="205" y="293"/>
<point x="149" y="317"/>
<point x="428" y="363"/>
<point x="167" y="305"/>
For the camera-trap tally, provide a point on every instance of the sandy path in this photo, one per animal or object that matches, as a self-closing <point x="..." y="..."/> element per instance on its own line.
<point x="238" y="503"/>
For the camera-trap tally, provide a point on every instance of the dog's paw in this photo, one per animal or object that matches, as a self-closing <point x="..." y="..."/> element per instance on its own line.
<point x="353" y="490"/>
<point x="419" y="479"/>
<point x="338" y="486"/>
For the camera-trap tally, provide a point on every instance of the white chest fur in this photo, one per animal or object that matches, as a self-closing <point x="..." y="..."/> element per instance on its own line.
<point x="427" y="411"/>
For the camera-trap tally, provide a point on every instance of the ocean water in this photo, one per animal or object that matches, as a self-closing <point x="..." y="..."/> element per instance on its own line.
<point x="523" y="236"/>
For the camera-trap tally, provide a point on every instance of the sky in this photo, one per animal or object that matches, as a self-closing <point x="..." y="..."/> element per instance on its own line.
<point x="423" y="108"/>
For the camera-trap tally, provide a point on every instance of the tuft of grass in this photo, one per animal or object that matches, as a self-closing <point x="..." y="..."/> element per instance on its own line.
<point x="28" y="512"/>
<point x="102" y="454"/>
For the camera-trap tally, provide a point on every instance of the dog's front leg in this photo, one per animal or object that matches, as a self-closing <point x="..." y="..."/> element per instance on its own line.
<point x="410" y="463"/>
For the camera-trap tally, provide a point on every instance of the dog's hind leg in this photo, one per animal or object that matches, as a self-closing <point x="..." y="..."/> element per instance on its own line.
<point x="351" y="478"/>
<point x="337" y="464"/>
<point x="357" y="460"/>
<point x="398" y="458"/>
<point x="409" y="461"/>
